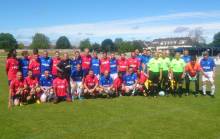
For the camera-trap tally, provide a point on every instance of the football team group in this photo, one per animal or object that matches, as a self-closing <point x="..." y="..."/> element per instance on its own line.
<point x="40" y="78"/>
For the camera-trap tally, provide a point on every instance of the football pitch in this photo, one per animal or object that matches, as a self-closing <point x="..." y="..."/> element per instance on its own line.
<point x="123" y="117"/>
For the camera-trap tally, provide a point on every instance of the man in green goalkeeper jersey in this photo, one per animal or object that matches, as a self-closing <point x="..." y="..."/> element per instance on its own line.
<point x="165" y="65"/>
<point x="177" y="72"/>
<point x="154" y="72"/>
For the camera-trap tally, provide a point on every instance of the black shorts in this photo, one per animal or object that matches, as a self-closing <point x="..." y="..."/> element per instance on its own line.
<point x="154" y="76"/>
<point x="178" y="77"/>
<point x="16" y="97"/>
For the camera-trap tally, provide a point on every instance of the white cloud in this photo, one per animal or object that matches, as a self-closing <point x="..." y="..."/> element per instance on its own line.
<point x="139" y="28"/>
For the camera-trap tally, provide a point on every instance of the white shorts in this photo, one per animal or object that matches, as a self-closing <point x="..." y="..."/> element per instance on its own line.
<point x="131" y="87"/>
<point x="114" y="75"/>
<point x="97" y="75"/>
<point x="210" y="77"/>
<point x="78" y="84"/>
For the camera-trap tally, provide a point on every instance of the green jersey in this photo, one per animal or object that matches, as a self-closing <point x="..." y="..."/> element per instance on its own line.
<point x="154" y="65"/>
<point x="165" y="63"/>
<point x="177" y="65"/>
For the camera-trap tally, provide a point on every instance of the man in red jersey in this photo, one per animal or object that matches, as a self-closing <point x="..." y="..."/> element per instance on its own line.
<point x="34" y="66"/>
<point x="16" y="90"/>
<point x="91" y="85"/>
<point x="134" y="62"/>
<point x="122" y="64"/>
<point x="30" y="83"/>
<point x="12" y="65"/>
<point x="60" y="87"/>
<point x="86" y="61"/>
<point x="56" y="60"/>
<point x="104" y="63"/>
<point x="142" y="77"/>
<point x="117" y="84"/>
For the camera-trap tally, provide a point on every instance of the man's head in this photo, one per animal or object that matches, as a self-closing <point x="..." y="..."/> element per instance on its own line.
<point x="46" y="73"/>
<point x="148" y="52"/>
<point x="77" y="54"/>
<point x="65" y="56"/>
<point x="78" y="67"/>
<point x="45" y="54"/>
<point x="193" y="60"/>
<point x="95" y="54"/>
<point x="57" y="54"/>
<point x="122" y="56"/>
<point x="30" y="73"/>
<point x="130" y="70"/>
<point x="112" y="55"/>
<point x="104" y="55"/>
<point x="106" y="73"/>
<point x="177" y="55"/>
<point x="91" y="73"/>
<point x="185" y="52"/>
<point x="86" y="51"/>
<point x="133" y="55"/>
<point x="19" y="75"/>
<point x="25" y="54"/>
<point x="156" y="55"/>
<point x="136" y="51"/>
<point x="144" y="52"/>
<point x="205" y="55"/>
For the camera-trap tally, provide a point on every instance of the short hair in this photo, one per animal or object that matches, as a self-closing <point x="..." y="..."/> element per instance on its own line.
<point x="193" y="58"/>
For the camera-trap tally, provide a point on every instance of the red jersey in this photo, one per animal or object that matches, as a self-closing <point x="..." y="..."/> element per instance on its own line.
<point x="15" y="85"/>
<point x="31" y="82"/>
<point x="142" y="78"/>
<point x="192" y="69"/>
<point x="117" y="83"/>
<point x="54" y="65"/>
<point x="34" y="66"/>
<point x="60" y="87"/>
<point x="134" y="63"/>
<point x="104" y="65"/>
<point x="122" y="65"/>
<point x="91" y="81"/>
<point x="86" y="61"/>
<point x="12" y="66"/>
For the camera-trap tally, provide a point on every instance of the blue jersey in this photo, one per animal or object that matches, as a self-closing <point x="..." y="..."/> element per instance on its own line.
<point x="24" y="62"/>
<point x="77" y="75"/>
<point x="186" y="58"/>
<point x="129" y="79"/>
<point x="207" y="64"/>
<point x="48" y="82"/>
<point x="45" y="64"/>
<point x="95" y="65"/>
<point x="74" y="63"/>
<point x="145" y="59"/>
<point x="113" y="66"/>
<point x="106" y="81"/>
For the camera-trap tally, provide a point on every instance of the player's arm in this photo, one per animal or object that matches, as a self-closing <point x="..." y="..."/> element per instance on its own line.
<point x="7" y="67"/>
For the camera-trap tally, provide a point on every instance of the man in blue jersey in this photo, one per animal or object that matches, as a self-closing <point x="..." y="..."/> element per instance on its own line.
<point x="106" y="85"/>
<point x="129" y="82"/>
<point x="76" y="80"/>
<point x="95" y="64"/>
<point x="45" y="62"/>
<point x="75" y="61"/>
<point x="24" y="63"/>
<point x="145" y="58"/>
<point x="208" y="66"/>
<point x="186" y="57"/>
<point x="46" y="83"/>
<point x="113" y="67"/>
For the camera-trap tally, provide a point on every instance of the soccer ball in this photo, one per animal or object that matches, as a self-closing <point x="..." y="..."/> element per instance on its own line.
<point x="162" y="93"/>
<point x="43" y="98"/>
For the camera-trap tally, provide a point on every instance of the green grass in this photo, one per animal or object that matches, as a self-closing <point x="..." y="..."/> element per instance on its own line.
<point x="124" y="117"/>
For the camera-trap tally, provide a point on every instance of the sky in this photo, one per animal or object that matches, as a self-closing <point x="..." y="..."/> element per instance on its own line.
<point x="100" y="19"/>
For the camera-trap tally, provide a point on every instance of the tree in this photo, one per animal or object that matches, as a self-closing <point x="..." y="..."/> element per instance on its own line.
<point x="63" y="43"/>
<point x="96" y="47"/>
<point x="7" y="41"/>
<point x="197" y="36"/>
<point x="40" y="41"/>
<point x="216" y="40"/>
<point x="85" y="44"/>
<point x="108" y="45"/>
<point x="21" y="46"/>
